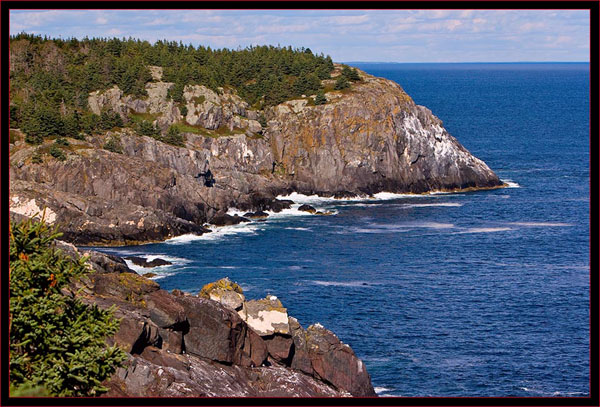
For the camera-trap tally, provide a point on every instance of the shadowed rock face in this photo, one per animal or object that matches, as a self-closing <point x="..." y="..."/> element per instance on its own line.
<point x="368" y="139"/>
<point x="184" y="345"/>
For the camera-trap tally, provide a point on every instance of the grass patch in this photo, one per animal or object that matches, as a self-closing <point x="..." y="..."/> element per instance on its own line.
<point x="187" y="128"/>
<point x="138" y="117"/>
<point x="224" y="131"/>
<point x="198" y="100"/>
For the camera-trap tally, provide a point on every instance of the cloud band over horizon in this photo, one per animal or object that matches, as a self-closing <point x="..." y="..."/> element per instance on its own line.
<point x="346" y="35"/>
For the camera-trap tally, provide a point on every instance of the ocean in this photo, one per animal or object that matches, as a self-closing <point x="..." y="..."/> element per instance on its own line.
<point x="463" y="294"/>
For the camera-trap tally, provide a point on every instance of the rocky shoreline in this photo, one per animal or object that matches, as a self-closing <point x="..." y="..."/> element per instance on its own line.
<point x="365" y="140"/>
<point x="216" y="343"/>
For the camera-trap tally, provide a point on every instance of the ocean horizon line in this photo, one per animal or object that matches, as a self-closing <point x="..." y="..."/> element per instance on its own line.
<point x="465" y="63"/>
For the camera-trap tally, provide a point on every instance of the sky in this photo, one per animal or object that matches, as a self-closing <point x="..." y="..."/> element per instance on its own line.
<point x="345" y="35"/>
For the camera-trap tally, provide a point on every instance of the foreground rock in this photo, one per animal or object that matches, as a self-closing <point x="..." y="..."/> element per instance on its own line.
<point x="214" y="344"/>
<point x="368" y="139"/>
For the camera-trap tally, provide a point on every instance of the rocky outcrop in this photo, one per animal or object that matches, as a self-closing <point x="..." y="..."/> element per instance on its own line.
<point x="142" y="262"/>
<point x="368" y="139"/>
<point x="372" y="140"/>
<point x="180" y="344"/>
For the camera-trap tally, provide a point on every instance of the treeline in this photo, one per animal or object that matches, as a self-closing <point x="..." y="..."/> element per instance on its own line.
<point x="50" y="79"/>
<point x="61" y="73"/>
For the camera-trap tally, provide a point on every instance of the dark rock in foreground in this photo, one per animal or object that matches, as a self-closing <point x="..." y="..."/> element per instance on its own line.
<point x="217" y="344"/>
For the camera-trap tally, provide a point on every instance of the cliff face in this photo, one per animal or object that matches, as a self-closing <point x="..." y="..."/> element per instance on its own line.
<point x="373" y="139"/>
<point x="185" y="345"/>
<point x="367" y="139"/>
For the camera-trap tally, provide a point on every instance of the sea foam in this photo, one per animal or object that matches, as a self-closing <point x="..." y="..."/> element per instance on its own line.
<point x="541" y="224"/>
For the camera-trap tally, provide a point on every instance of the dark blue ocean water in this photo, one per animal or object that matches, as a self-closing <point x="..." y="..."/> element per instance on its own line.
<point x="472" y="294"/>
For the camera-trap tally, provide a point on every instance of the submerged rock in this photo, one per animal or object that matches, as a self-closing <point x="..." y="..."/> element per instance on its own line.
<point x="256" y="215"/>
<point x="224" y="219"/>
<point x="307" y="208"/>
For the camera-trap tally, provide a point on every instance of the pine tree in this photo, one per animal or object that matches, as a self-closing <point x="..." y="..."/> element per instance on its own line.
<point x="57" y="343"/>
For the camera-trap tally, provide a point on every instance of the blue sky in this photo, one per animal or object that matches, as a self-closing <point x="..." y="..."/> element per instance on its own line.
<point x="346" y="35"/>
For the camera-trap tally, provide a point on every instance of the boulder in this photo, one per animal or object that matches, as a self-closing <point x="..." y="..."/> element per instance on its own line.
<point x="277" y="205"/>
<point x="223" y="219"/>
<point x="307" y="208"/>
<point x="256" y="215"/>
<point x="226" y="292"/>
<point x="219" y="334"/>
<point x="266" y="316"/>
<point x="279" y="347"/>
<point x="336" y="363"/>
<point x="142" y="262"/>
<point x="165" y="312"/>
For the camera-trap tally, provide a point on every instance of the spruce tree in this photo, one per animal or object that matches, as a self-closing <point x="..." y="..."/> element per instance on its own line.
<point x="57" y="343"/>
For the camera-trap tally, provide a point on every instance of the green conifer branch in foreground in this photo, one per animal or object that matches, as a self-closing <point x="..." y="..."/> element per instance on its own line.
<point x="57" y="343"/>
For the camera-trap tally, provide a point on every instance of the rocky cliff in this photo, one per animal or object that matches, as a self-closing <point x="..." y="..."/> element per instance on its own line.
<point x="215" y="344"/>
<point x="366" y="139"/>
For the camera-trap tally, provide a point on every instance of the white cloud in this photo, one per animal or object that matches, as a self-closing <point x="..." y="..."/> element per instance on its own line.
<point x="348" y="20"/>
<point x="279" y="29"/>
<point x="101" y="20"/>
<point x="532" y="26"/>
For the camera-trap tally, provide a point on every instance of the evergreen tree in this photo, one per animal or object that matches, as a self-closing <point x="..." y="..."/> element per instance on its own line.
<point x="90" y="123"/>
<point x="174" y="136"/>
<point x="56" y="152"/>
<point x="71" y="125"/>
<point x="320" y="99"/>
<point x="41" y="121"/>
<point x="57" y="343"/>
<point x="341" y="83"/>
<point x="146" y="128"/>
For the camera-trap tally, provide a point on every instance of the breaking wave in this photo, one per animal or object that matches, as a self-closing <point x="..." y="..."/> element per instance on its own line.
<point x="541" y="224"/>
<point x="510" y="183"/>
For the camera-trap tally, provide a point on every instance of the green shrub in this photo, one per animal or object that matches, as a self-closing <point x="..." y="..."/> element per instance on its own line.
<point x="262" y="120"/>
<point x="36" y="157"/>
<point x="320" y="99"/>
<point x="350" y="74"/>
<point x="57" y="153"/>
<point x="61" y="141"/>
<point x="183" y="110"/>
<point x="146" y="128"/>
<point x="174" y="136"/>
<point x="341" y="83"/>
<point x="57" y="343"/>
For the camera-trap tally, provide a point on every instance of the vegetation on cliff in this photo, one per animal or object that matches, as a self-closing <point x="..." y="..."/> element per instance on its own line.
<point x="50" y="79"/>
<point x="57" y="343"/>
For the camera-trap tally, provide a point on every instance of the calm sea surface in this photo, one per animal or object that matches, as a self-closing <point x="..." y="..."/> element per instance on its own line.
<point x="473" y="294"/>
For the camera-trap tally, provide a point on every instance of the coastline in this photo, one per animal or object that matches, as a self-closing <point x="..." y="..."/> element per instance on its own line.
<point x="303" y="199"/>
